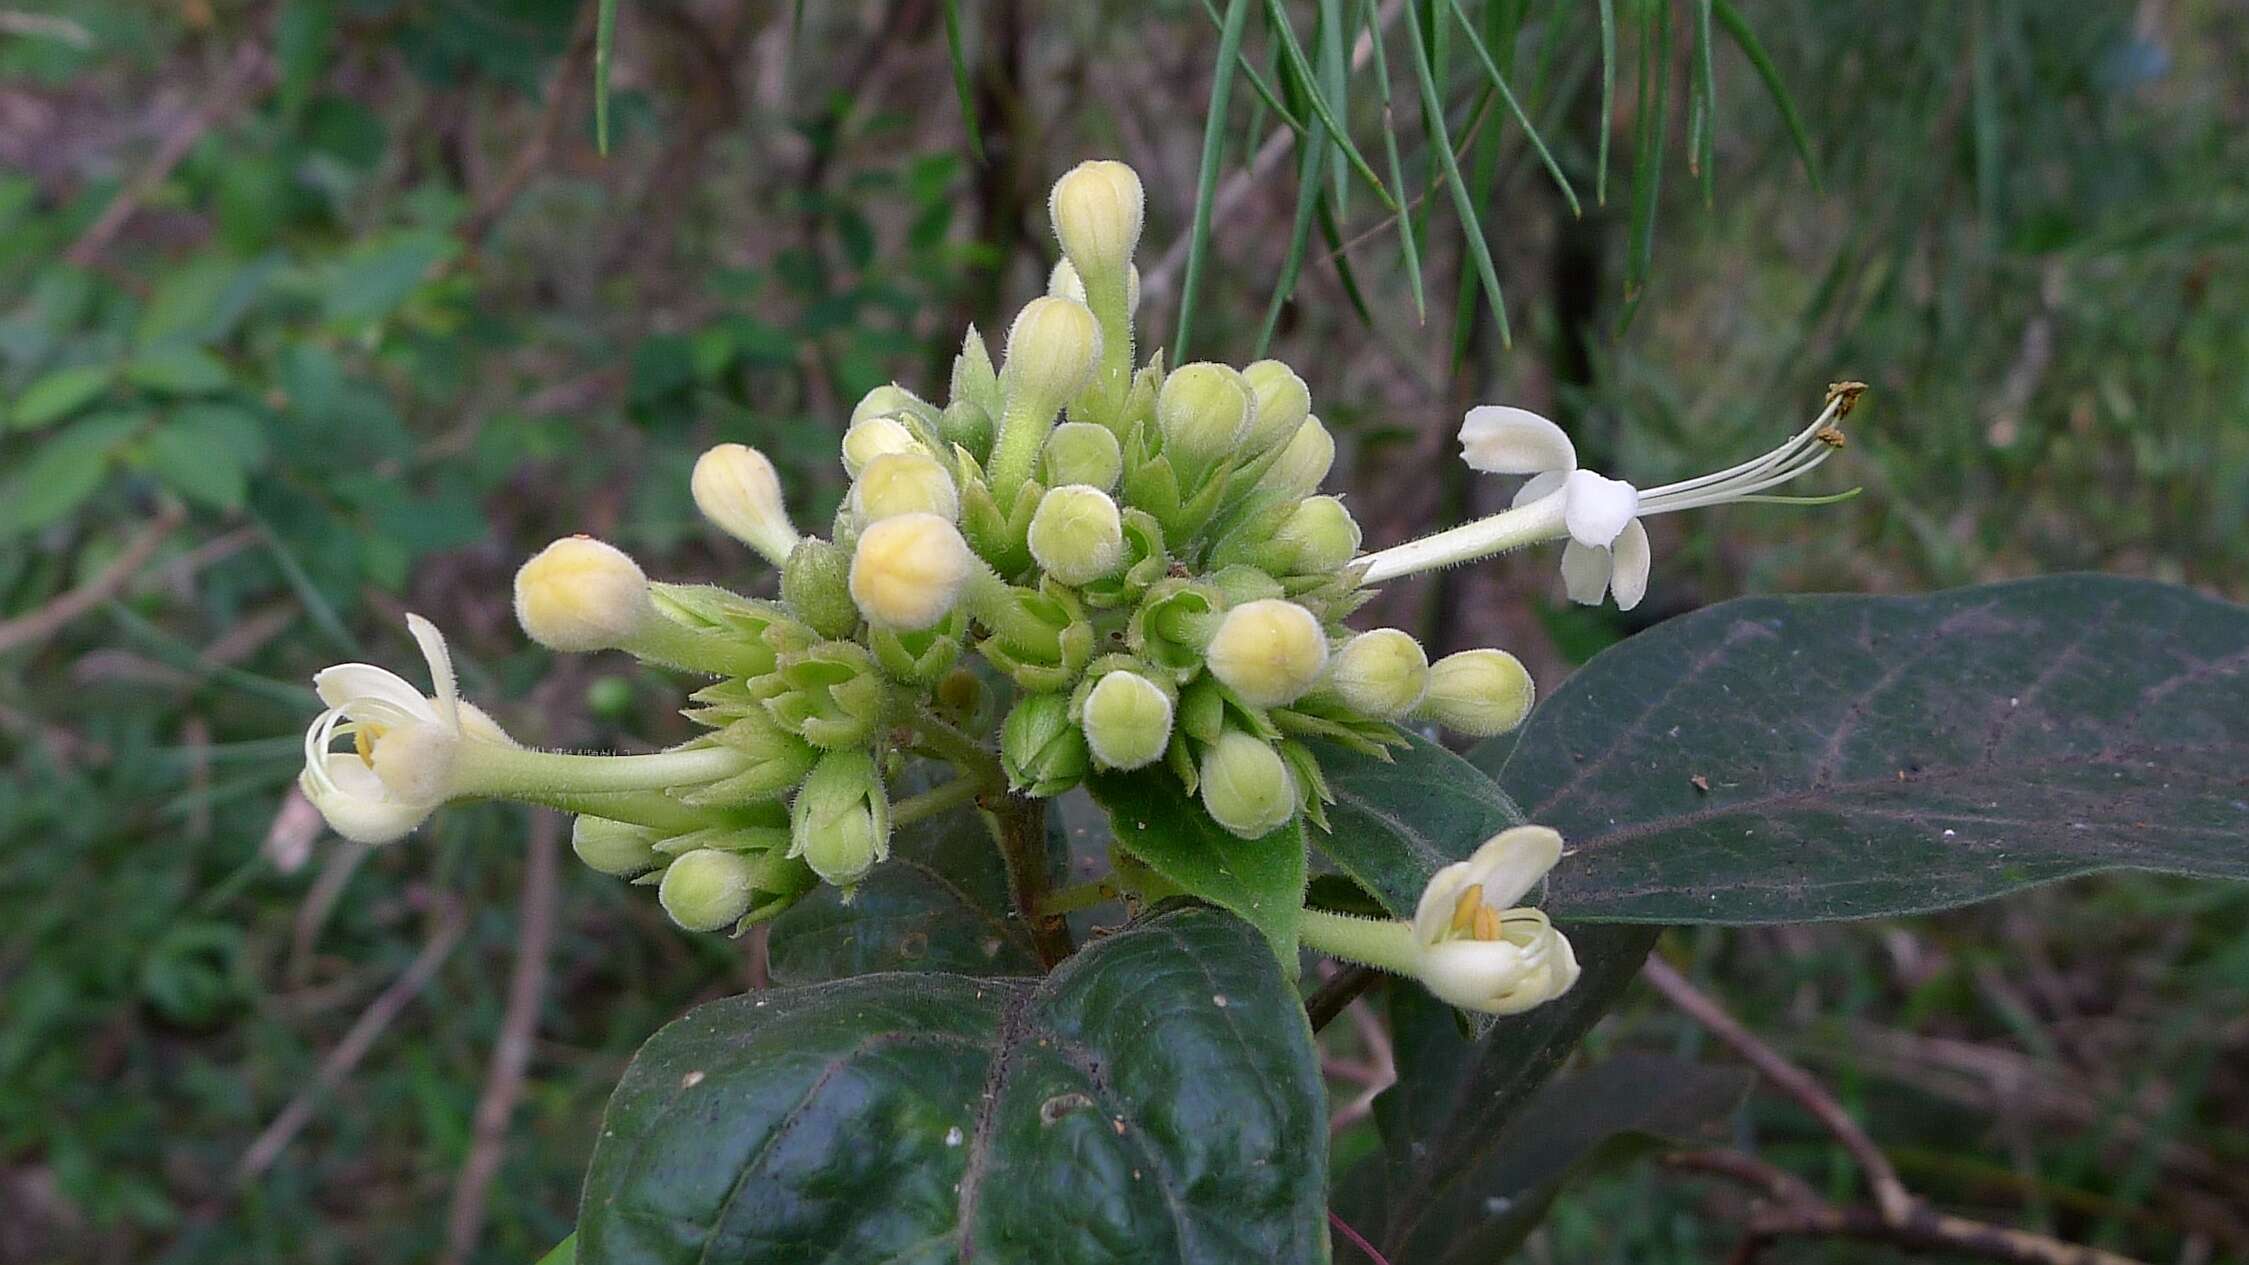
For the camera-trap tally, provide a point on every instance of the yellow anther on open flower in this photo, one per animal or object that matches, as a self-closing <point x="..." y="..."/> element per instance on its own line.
<point x="581" y="594"/>
<point x="1268" y="651"/>
<point x="1478" y="950"/>
<point x="737" y="490"/>
<point x="908" y="571"/>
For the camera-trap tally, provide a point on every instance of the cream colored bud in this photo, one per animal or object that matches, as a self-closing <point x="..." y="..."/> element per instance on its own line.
<point x="908" y="571"/>
<point x="1303" y="465"/>
<point x="737" y="490"/>
<point x="1097" y="208"/>
<point x="1083" y="452"/>
<point x="1127" y="720"/>
<point x="1320" y="535"/>
<point x="872" y="437"/>
<point x="1246" y="786"/>
<point x="1051" y="350"/>
<point x="904" y="483"/>
<point x="1283" y="402"/>
<point x="1077" y="534"/>
<point x="892" y="400"/>
<point x="1269" y="652"/>
<point x="706" y="889"/>
<point x="1382" y="674"/>
<point x="581" y="594"/>
<point x="1063" y="282"/>
<point x="1204" y="410"/>
<point x="615" y="847"/>
<point x="1478" y="693"/>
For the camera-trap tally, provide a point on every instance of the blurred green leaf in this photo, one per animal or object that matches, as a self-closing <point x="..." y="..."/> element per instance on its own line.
<point x="178" y="370"/>
<point x="376" y="276"/>
<point x="63" y="471"/>
<point x="59" y="394"/>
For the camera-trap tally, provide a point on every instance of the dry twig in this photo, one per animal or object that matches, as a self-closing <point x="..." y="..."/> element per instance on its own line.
<point x="43" y="623"/>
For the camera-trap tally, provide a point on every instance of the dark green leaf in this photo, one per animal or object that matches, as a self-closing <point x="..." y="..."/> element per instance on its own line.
<point x="931" y="1118"/>
<point x="210" y="474"/>
<point x="1396" y="824"/>
<point x="1870" y="756"/>
<point x="1260" y="879"/>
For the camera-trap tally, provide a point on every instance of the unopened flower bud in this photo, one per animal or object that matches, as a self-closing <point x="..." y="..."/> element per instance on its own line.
<point x="707" y="889"/>
<point x="1077" y="535"/>
<point x="1043" y="753"/>
<point x="1083" y="452"/>
<point x="1269" y="652"/>
<point x="1203" y="410"/>
<point x="581" y="594"/>
<point x="1320" y="536"/>
<point x="908" y="571"/>
<point x="816" y="585"/>
<point x="840" y="822"/>
<point x="1382" y="674"/>
<point x="615" y="847"/>
<point x="1097" y="208"/>
<point x="1064" y="282"/>
<point x="904" y="483"/>
<point x="1304" y="464"/>
<point x="871" y="437"/>
<point x="1246" y="786"/>
<point x="1478" y="693"/>
<point x="892" y="400"/>
<point x="737" y="490"/>
<point x="1283" y="402"/>
<point x="1127" y="720"/>
<point x="830" y="695"/>
<point x="1051" y="351"/>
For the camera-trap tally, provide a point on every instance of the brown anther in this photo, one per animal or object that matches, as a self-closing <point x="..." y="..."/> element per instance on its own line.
<point x="1487" y="923"/>
<point x="1843" y="395"/>
<point x="1464" y="909"/>
<point x="1830" y="436"/>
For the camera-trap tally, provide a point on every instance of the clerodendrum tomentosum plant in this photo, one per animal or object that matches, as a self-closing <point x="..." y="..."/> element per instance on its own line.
<point x="1126" y="574"/>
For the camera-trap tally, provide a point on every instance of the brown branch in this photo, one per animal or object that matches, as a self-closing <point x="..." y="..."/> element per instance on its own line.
<point x="1338" y="991"/>
<point x="43" y="623"/>
<point x="246" y="77"/>
<point x="511" y="1054"/>
<point x="1890" y="1194"/>
<point x="1922" y="1231"/>
<point x="1019" y="827"/>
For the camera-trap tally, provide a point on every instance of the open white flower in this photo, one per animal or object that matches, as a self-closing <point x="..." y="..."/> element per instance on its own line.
<point x="1477" y="950"/>
<point x="404" y="744"/>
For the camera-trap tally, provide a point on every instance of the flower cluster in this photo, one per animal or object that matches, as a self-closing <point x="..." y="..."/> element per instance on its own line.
<point x="1114" y="564"/>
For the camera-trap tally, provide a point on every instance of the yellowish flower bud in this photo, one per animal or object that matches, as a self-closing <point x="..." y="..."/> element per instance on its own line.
<point x="1051" y="351"/>
<point x="1283" y="402"/>
<point x="1063" y="282"/>
<point x="1383" y="674"/>
<point x="1319" y="536"/>
<point x="892" y="400"/>
<point x="1077" y="535"/>
<point x="1203" y="410"/>
<point x="1096" y="208"/>
<point x="1303" y="465"/>
<point x="1246" y="786"/>
<point x="1478" y="693"/>
<point x="816" y="586"/>
<point x="581" y="594"/>
<point x="737" y="490"/>
<point x="707" y="889"/>
<point x="871" y="437"/>
<point x="1269" y="652"/>
<point x="1083" y="452"/>
<point x="615" y="847"/>
<point x="1127" y="720"/>
<point x="904" y="483"/>
<point x="908" y="571"/>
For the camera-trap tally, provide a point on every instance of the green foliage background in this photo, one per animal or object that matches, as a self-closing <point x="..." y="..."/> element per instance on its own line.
<point x="385" y="320"/>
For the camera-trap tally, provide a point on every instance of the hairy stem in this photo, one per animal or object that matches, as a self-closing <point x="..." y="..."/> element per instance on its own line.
<point x="1018" y="824"/>
<point x="930" y="803"/>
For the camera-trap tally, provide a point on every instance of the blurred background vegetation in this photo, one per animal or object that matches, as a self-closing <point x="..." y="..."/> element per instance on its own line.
<point x="317" y="311"/>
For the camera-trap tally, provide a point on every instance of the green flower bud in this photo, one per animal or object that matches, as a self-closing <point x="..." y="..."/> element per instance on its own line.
<point x="967" y="425"/>
<point x="1478" y="693"/>
<point x="1203" y="411"/>
<point x="1268" y="652"/>
<point x="1319" y="536"/>
<point x="1044" y="754"/>
<point x="1097" y="208"/>
<point x="615" y="847"/>
<point x="1144" y="562"/>
<point x="816" y="585"/>
<point x="779" y="759"/>
<point x="893" y="401"/>
<point x="904" y="483"/>
<point x="737" y="489"/>
<point x="1051" y="351"/>
<point x="840" y="823"/>
<point x="974" y="380"/>
<point x="1246" y="786"/>
<point x="1082" y="452"/>
<point x="1077" y="535"/>
<point x="1172" y="625"/>
<point x="1242" y="584"/>
<point x="1304" y="464"/>
<point x="1127" y="720"/>
<point x="923" y="656"/>
<point x="830" y="695"/>
<point x="1040" y="637"/>
<point x="1283" y="402"/>
<point x="581" y="594"/>
<point x="871" y="437"/>
<point x="1383" y="673"/>
<point x="909" y="571"/>
<point x="710" y="888"/>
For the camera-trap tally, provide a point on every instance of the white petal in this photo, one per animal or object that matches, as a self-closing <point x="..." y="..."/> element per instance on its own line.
<point x="1501" y="439"/>
<point x="1585" y="573"/>
<point x="1630" y="582"/>
<point x="1474" y="974"/>
<point x="1538" y="487"/>
<point x="356" y="804"/>
<point x="1432" y="917"/>
<point x="1512" y="862"/>
<point x="349" y="683"/>
<point x="1598" y="507"/>
<point x="442" y="683"/>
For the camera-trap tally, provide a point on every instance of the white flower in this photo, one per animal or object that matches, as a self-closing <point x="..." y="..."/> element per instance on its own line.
<point x="1608" y="548"/>
<point x="403" y="744"/>
<point x="1479" y="952"/>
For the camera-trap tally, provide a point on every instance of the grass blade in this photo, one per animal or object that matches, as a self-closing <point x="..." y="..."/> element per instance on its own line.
<point x="1315" y="150"/>
<point x="1652" y="130"/>
<point x="1608" y="99"/>
<point x="1264" y="90"/>
<point x="961" y="85"/>
<point x="604" y="42"/>
<point x="1514" y="107"/>
<point x="1704" y="119"/>
<point x="1335" y="73"/>
<point x="1406" y="244"/>
<point x="1440" y="141"/>
<point x="1206" y="177"/>
<point x="1292" y="56"/>
<point x="1746" y="40"/>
